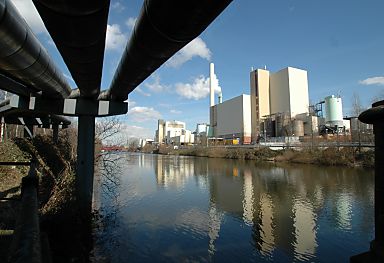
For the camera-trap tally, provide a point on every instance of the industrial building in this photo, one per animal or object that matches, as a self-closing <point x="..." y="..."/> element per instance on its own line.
<point x="271" y="109"/>
<point x="232" y="119"/>
<point x="173" y="132"/>
<point x="276" y="100"/>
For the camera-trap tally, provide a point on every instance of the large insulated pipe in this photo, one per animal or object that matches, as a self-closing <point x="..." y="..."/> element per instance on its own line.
<point x="78" y="29"/>
<point x="163" y="28"/>
<point x="24" y="59"/>
<point x="211" y="88"/>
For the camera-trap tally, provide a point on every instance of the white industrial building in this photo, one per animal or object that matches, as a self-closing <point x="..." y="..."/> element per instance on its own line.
<point x="173" y="132"/>
<point x="275" y="101"/>
<point x="232" y="119"/>
<point x="279" y="103"/>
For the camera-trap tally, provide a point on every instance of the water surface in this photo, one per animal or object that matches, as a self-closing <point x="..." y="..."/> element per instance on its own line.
<point x="159" y="208"/>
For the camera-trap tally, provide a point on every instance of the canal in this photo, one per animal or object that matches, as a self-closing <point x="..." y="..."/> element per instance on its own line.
<point x="160" y="208"/>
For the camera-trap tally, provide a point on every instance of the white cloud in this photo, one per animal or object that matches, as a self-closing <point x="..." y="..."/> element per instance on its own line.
<point x="142" y="92"/>
<point x="134" y="131"/>
<point x="130" y="23"/>
<point x="156" y="86"/>
<point x="28" y="10"/>
<point x="131" y="103"/>
<point x="143" y="114"/>
<point x="115" y="39"/>
<point x="198" y="89"/>
<point x="373" y="81"/>
<point x="175" y="111"/>
<point x="196" y="47"/>
<point x="119" y="7"/>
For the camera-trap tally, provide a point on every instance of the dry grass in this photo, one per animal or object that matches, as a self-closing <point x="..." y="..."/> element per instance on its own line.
<point x="332" y="156"/>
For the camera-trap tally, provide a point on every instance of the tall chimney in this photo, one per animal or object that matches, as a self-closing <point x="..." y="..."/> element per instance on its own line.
<point x="211" y="88"/>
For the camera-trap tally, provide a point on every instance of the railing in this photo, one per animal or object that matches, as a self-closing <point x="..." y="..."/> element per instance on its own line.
<point x="26" y="244"/>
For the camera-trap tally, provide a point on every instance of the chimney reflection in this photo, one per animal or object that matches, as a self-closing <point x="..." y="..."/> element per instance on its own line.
<point x="215" y="218"/>
<point x="344" y="211"/>
<point x="248" y="208"/>
<point x="266" y="225"/>
<point x="305" y="230"/>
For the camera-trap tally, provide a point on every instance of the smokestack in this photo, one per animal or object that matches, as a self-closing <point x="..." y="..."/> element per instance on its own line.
<point x="211" y="88"/>
<point x="220" y="97"/>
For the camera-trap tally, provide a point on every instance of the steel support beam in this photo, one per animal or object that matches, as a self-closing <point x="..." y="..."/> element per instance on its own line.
<point x="55" y="134"/>
<point x="85" y="163"/>
<point x="67" y="107"/>
<point x="15" y="87"/>
<point x="28" y="131"/>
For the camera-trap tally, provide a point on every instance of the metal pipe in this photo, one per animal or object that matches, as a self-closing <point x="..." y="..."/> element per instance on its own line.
<point x="24" y="59"/>
<point x="78" y="29"/>
<point x="163" y="28"/>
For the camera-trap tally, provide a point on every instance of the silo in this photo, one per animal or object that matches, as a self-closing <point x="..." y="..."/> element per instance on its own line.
<point x="298" y="128"/>
<point x="333" y="111"/>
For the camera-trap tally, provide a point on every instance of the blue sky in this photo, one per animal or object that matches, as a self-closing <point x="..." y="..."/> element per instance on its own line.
<point x="339" y="43"/>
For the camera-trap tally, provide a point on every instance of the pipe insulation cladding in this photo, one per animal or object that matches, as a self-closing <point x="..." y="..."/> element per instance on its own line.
<point x="162" y="29"/>
<point x="24" y="59"/>
<point x="78" y="29"/>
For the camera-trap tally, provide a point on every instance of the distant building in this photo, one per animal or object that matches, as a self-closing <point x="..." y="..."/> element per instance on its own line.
<point x="173" y="132"/>
<point x="143" y="142"/>
<point x="276" y="100"/>
<point x="232" y="119"/>
<point x="260" y="104"/>
<point x="168" y="129"/>
<point x="278" y="97"/>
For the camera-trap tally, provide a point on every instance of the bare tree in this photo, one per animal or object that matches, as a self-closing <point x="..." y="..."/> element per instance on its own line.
<point x="378" y="97"/>
<point x="133" y="144"/>
<point x="357" y="108"/>
<point x="107" y="128"/>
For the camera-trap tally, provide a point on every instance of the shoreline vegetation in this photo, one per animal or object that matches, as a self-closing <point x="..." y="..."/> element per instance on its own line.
<point x="331" y="156"/>
<point x="69" y="236"/>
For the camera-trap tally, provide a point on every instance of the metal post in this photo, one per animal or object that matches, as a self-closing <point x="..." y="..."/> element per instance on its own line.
<point x="85" y="162"/>
<point x="55" y="133"/>
<point x="28" y="131"/>
<point x="375" y="116"/>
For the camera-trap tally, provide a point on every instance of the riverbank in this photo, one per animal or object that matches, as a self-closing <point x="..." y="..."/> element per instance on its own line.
<point x="69" y="236"/>
<point x="332" y="156"/>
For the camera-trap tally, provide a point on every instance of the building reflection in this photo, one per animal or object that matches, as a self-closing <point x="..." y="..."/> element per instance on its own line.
<point x="281" y="205"/>
<point x="173" y="172"/>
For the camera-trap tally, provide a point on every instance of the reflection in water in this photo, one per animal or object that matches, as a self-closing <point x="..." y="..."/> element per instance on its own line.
<point x="344" y="210"/>
<point x="266" y="225"/>
<point x="248" y="198"/>
<point x="215" y="218"/>
<point x="200" y="209"/>
<point x="305" y="230"/>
